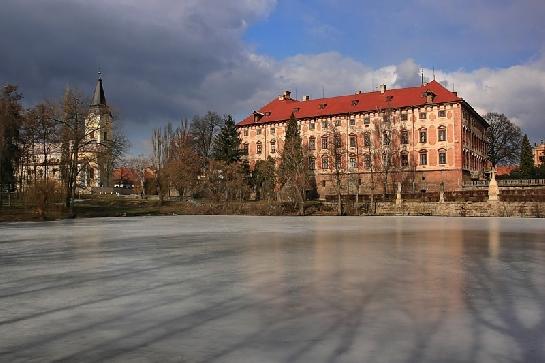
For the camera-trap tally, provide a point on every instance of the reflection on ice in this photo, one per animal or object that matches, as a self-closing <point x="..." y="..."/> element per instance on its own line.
<point x="231" y="289"/>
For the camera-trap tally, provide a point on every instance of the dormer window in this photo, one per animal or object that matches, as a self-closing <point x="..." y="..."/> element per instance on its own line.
<point x="355" y="102"/>
<point x="430" y="96"/>
<point x="323" y="105"/>
<point x="258" y="116"/>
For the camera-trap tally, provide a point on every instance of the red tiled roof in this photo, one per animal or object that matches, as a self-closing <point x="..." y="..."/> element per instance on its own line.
<point x="505" y="169"/>
<point x="281" y="110"/>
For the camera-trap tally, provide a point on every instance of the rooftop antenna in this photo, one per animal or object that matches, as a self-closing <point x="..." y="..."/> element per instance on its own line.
<point x="422" y="73"/>
<point x="323" y="92"/>
<point x="433" y="73"/>
<point x="296" y="93"/>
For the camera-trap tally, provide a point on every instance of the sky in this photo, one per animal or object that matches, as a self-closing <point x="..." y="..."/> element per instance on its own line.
<point x="165" y="60"/>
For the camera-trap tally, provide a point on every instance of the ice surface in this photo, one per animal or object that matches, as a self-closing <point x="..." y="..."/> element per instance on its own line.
<point x="273" y="289"/>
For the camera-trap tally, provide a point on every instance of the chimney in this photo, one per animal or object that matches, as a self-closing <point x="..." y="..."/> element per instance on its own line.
<point x="382" y="88"/>
<point x="287" y="95"/>
<point x="455" y="93"/>
<point x="358" y="92"/>
<point x="306" y="98"/>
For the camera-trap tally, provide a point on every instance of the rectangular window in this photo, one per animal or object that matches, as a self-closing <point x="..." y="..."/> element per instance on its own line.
<point x="273" y="131"/>
<point x="353" y="162"/>
<point x="404" y="117"/>
<point x="338" y="122"/>
<point x="404" y="137"/>
<point x="324" y="125"/>
<point x="245" y="149"/>
<point x="259" y="131"/>
<point x="404" y="159"/>
<point x="259" y="148"/>
<point x="442" y="157"/>
<point x="245" y="132"/>
<point x="311" y="126"/>
<point x="366" y="121"/>
<point x="367" y="139"/>
<point x="423" y="158"/>
<point x="352" y="122"/>
<point x="273" y="147"/>
<point x="325" y="162"/>
<point x="442" y="134"/>
<point x="422" y="115"/>
<point x="442" y="113"/>
<point x="367" y="161"/>
<point x="423" y="136"/>
<point x="312" y="143"/>
<point x="324" y="143"/>
<point x="352" y="140"/>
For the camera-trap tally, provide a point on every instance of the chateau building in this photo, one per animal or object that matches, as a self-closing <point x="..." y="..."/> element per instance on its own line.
<point x="422" y="137"/>
<point x="539" y="153"/>
<point x="94" y="165"/>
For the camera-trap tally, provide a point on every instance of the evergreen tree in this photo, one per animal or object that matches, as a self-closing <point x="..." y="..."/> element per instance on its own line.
<point x="293" y="166"/>
<point x="10" y="123"/>
<point x="227" y="142"/>
<point x="264" y="178"/>
<point x="527" y="168"/>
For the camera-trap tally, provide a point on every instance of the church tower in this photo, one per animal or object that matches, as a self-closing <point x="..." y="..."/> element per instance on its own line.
<point x="99" y="129"/>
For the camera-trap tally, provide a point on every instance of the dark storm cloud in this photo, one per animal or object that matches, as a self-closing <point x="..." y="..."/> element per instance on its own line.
<point x="160" y="61"/>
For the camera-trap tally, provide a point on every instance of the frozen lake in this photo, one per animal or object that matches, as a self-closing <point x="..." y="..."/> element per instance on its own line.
<point x="273" y="289"/>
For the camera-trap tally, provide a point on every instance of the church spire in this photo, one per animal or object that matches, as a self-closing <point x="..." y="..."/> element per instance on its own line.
<point x="98" y="96"/>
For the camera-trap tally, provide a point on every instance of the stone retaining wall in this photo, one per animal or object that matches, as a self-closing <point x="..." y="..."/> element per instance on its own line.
<point x="464" y="209"/>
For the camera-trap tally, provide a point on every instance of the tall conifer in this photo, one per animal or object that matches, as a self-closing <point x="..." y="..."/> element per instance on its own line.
<point x="227" y="142"/>
<point x="527" y="168"/>
<point x="293" y="167"/>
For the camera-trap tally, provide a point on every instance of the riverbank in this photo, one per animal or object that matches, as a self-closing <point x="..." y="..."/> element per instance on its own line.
<point x="121" y="207"/>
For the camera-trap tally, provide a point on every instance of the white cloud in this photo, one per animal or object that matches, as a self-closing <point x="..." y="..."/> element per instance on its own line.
<point x="517" y="91"/>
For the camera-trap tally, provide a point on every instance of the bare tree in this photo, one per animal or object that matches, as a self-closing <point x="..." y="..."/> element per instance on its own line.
<point x="386" y="142"/>
<point x="336" y="150"/>
<point x="161" y="142"/>
<point x="80" y="149"/>
<point x="203" y="131"/>
<point x="184" y="164"/>
<point x="504" y="139"/>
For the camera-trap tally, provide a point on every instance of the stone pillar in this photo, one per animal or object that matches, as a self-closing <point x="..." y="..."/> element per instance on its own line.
<point x="442" y="193"/>
<point x="398" y="195"/>
<point x="493" y="190"/>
